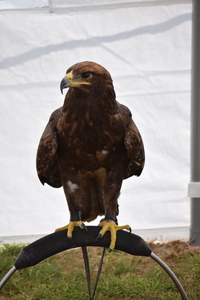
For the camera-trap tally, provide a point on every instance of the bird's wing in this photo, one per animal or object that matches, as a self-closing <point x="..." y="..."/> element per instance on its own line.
<point x="134" y="145"/>
<point x="46" y="162"/>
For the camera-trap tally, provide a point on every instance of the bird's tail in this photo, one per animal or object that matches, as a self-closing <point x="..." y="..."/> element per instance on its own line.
<point x="92" y="203"/>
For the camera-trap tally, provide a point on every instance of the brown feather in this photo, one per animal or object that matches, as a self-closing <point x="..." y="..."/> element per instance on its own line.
<point x="90" y="145"/>
<point x="47" y="164"/>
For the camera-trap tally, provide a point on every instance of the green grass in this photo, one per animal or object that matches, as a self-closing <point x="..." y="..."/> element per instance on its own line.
<point x="123" y="277"/>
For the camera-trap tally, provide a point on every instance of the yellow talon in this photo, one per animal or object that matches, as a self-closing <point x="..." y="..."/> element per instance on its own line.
<point x="70" y="227"/>
<point x="113" y="228"/>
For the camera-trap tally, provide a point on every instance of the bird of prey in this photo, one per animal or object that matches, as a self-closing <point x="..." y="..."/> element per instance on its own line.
<point x="89" y="146"/>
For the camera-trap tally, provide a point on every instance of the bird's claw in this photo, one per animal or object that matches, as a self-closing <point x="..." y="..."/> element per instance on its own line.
<point x="113" y="228"/>
<point x="70" y="227"/>
<point x="98" y="237"/>
<point x="84" y="227"/>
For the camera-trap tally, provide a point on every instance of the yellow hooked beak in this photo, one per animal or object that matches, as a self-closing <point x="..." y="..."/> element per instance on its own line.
<point x="70" y="81"/>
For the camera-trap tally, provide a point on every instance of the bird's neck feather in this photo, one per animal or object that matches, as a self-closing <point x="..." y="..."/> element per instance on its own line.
<point x="93" y="100"/>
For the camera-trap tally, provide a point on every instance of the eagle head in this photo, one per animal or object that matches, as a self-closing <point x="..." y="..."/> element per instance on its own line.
<point x="85" y="73"/>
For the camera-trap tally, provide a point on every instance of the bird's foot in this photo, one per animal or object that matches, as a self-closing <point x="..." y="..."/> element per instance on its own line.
<point x="110" y="225"/>
<point x="70" y="227"/>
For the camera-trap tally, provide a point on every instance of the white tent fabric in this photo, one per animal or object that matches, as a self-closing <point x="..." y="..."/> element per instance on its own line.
<point x="148" y="52"/>
<point x="22" y="4"/>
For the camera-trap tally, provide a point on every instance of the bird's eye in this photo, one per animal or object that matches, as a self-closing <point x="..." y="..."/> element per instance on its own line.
<point x="87" y="75"/>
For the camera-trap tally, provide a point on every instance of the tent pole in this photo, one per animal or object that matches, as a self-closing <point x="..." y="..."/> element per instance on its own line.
<point x="194" y="186"/>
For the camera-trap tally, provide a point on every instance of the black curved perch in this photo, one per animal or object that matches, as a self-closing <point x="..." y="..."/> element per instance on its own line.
<point x="58" y="242"/>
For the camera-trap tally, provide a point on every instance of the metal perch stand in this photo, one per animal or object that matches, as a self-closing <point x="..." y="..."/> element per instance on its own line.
<point x="58" y="242"/>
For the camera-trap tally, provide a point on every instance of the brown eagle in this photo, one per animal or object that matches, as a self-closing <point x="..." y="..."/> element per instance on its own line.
<point x="89" y="146"/>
